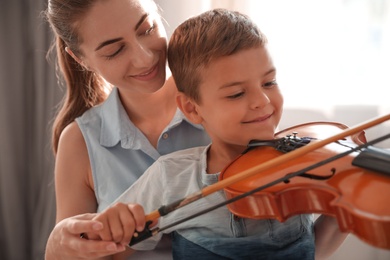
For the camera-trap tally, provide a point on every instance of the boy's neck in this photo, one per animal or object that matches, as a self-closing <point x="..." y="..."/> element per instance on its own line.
<point x="218" y="158"/>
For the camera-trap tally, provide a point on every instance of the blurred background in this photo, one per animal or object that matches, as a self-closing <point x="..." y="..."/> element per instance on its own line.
<point x="333" y="62"/>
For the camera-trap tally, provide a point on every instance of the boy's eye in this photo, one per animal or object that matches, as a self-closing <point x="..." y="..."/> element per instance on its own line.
<point x="270" y="84"/>
<point x="237" y="95"/>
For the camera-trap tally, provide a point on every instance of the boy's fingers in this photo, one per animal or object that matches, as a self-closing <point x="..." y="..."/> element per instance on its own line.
<point x="128" y="227"/>
<point x="113" y="222"/>
<point x="138" y="215"/>
<point x="116" y="226"/>
<point x="105" y="233"/>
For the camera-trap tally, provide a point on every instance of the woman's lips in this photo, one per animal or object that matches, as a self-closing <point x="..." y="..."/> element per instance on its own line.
<point x="148" y="75"/>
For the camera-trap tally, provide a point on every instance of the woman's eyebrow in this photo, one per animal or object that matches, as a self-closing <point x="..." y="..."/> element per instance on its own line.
<point x="105" y="43"/>
<point x="143" y="18"/>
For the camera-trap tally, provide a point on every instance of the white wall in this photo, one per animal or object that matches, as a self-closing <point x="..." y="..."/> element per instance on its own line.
<point x="176" y="11"/>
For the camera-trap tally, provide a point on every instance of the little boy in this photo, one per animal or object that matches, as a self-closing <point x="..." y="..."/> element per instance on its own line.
<point x="227" y="83"/>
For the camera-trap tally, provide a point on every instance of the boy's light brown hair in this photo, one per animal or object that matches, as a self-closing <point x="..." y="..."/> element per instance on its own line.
<point x="210" y="35"/>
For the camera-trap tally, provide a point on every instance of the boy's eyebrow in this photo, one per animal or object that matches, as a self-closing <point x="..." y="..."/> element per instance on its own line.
<point x="235" y="83"/>
<point x="271" y="70"/>
<point x="231" y="84"/>
<point x="111" y="41"/>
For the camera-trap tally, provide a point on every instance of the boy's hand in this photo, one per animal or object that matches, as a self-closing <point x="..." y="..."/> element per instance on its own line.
<point x="119" y="223"/>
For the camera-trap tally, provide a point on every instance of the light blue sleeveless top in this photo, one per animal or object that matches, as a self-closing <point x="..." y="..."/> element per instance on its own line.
<point x="119" y="153"/>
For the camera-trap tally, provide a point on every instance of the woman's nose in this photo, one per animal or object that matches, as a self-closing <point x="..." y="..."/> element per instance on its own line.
<point x="142" y="56"/>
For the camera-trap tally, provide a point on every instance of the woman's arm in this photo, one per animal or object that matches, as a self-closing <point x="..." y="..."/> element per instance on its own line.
<point x="74" y="197"/>
<point x="328" y="236"/>
<point x="73" y="179"/>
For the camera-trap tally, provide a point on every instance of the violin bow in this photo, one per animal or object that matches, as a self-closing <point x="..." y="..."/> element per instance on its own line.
<point x="166" y="209"/>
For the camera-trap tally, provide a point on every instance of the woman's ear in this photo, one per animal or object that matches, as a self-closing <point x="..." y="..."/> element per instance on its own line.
<point x="189" y="108"/>
<point x="70" y="52"/>
<point x="79" y="61"/>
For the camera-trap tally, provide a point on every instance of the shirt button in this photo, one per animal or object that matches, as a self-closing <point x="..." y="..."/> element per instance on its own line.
<point x="165" y="136"/>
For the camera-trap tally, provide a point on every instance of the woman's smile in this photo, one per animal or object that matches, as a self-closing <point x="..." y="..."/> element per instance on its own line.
<point x="147" y="75"/>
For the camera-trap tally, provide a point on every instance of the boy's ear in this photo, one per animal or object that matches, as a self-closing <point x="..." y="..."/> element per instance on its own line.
<point x="188" y="107"/>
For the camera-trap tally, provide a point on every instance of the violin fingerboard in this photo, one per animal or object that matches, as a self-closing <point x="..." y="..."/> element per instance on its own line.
<point x="374" y="159"/>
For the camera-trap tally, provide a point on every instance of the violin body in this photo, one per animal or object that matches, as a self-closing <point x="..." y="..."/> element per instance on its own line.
<point x="357" y="197"/>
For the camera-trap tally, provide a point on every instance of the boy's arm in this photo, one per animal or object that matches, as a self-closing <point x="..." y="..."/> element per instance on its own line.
<point x="328" y="236"/>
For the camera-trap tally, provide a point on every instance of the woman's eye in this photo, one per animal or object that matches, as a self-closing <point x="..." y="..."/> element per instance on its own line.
<point x="150" y="30"/>
<point x="237" y="95"/>
<point x="115" y="53"/>
<point x="270" y="84"/>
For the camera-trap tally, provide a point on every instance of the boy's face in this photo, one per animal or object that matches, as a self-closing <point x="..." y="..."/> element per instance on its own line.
<point x="240" y="99"/>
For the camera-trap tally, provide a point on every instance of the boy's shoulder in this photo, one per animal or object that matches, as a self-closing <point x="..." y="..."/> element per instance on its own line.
<point x="193" y="153"/>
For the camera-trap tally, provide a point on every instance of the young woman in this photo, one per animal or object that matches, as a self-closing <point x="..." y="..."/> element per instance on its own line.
<point x="119" y="114"/>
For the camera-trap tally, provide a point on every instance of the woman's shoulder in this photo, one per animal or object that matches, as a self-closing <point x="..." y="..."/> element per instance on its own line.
<point x="71" y="137"/>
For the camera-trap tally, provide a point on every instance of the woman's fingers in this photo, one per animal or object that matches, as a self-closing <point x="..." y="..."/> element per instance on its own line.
<point x="82" y="224"/>
<point x="67" y="240"/>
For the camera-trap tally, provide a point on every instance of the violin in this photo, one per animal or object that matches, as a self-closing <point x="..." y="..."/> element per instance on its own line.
<point x="309" y="168"/>
<point x="357" y="197"/>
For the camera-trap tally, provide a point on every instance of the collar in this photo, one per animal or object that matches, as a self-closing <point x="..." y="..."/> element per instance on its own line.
<point x="117" y="126"/>
<point x="207" y="179"/>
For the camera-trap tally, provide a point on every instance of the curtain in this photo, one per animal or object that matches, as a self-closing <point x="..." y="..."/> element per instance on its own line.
<point x="28" y="96"/>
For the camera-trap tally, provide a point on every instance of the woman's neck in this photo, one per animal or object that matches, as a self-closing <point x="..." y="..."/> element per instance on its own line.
<point x="151" y="113"/>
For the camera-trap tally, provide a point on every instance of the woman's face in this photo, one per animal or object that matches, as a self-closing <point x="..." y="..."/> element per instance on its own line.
<point x="125" y="42"/>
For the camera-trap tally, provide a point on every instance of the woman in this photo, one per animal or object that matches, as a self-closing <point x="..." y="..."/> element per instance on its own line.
<point x="103" y="144"/>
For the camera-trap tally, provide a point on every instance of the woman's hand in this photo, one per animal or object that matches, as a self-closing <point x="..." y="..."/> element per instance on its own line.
<point x="65" y="241"/>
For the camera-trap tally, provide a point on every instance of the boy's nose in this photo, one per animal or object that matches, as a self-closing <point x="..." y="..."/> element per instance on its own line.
<point x="259" y="99"/>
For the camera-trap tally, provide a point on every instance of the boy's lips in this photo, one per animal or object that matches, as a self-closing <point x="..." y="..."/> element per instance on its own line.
<point x="258" y="119"/>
